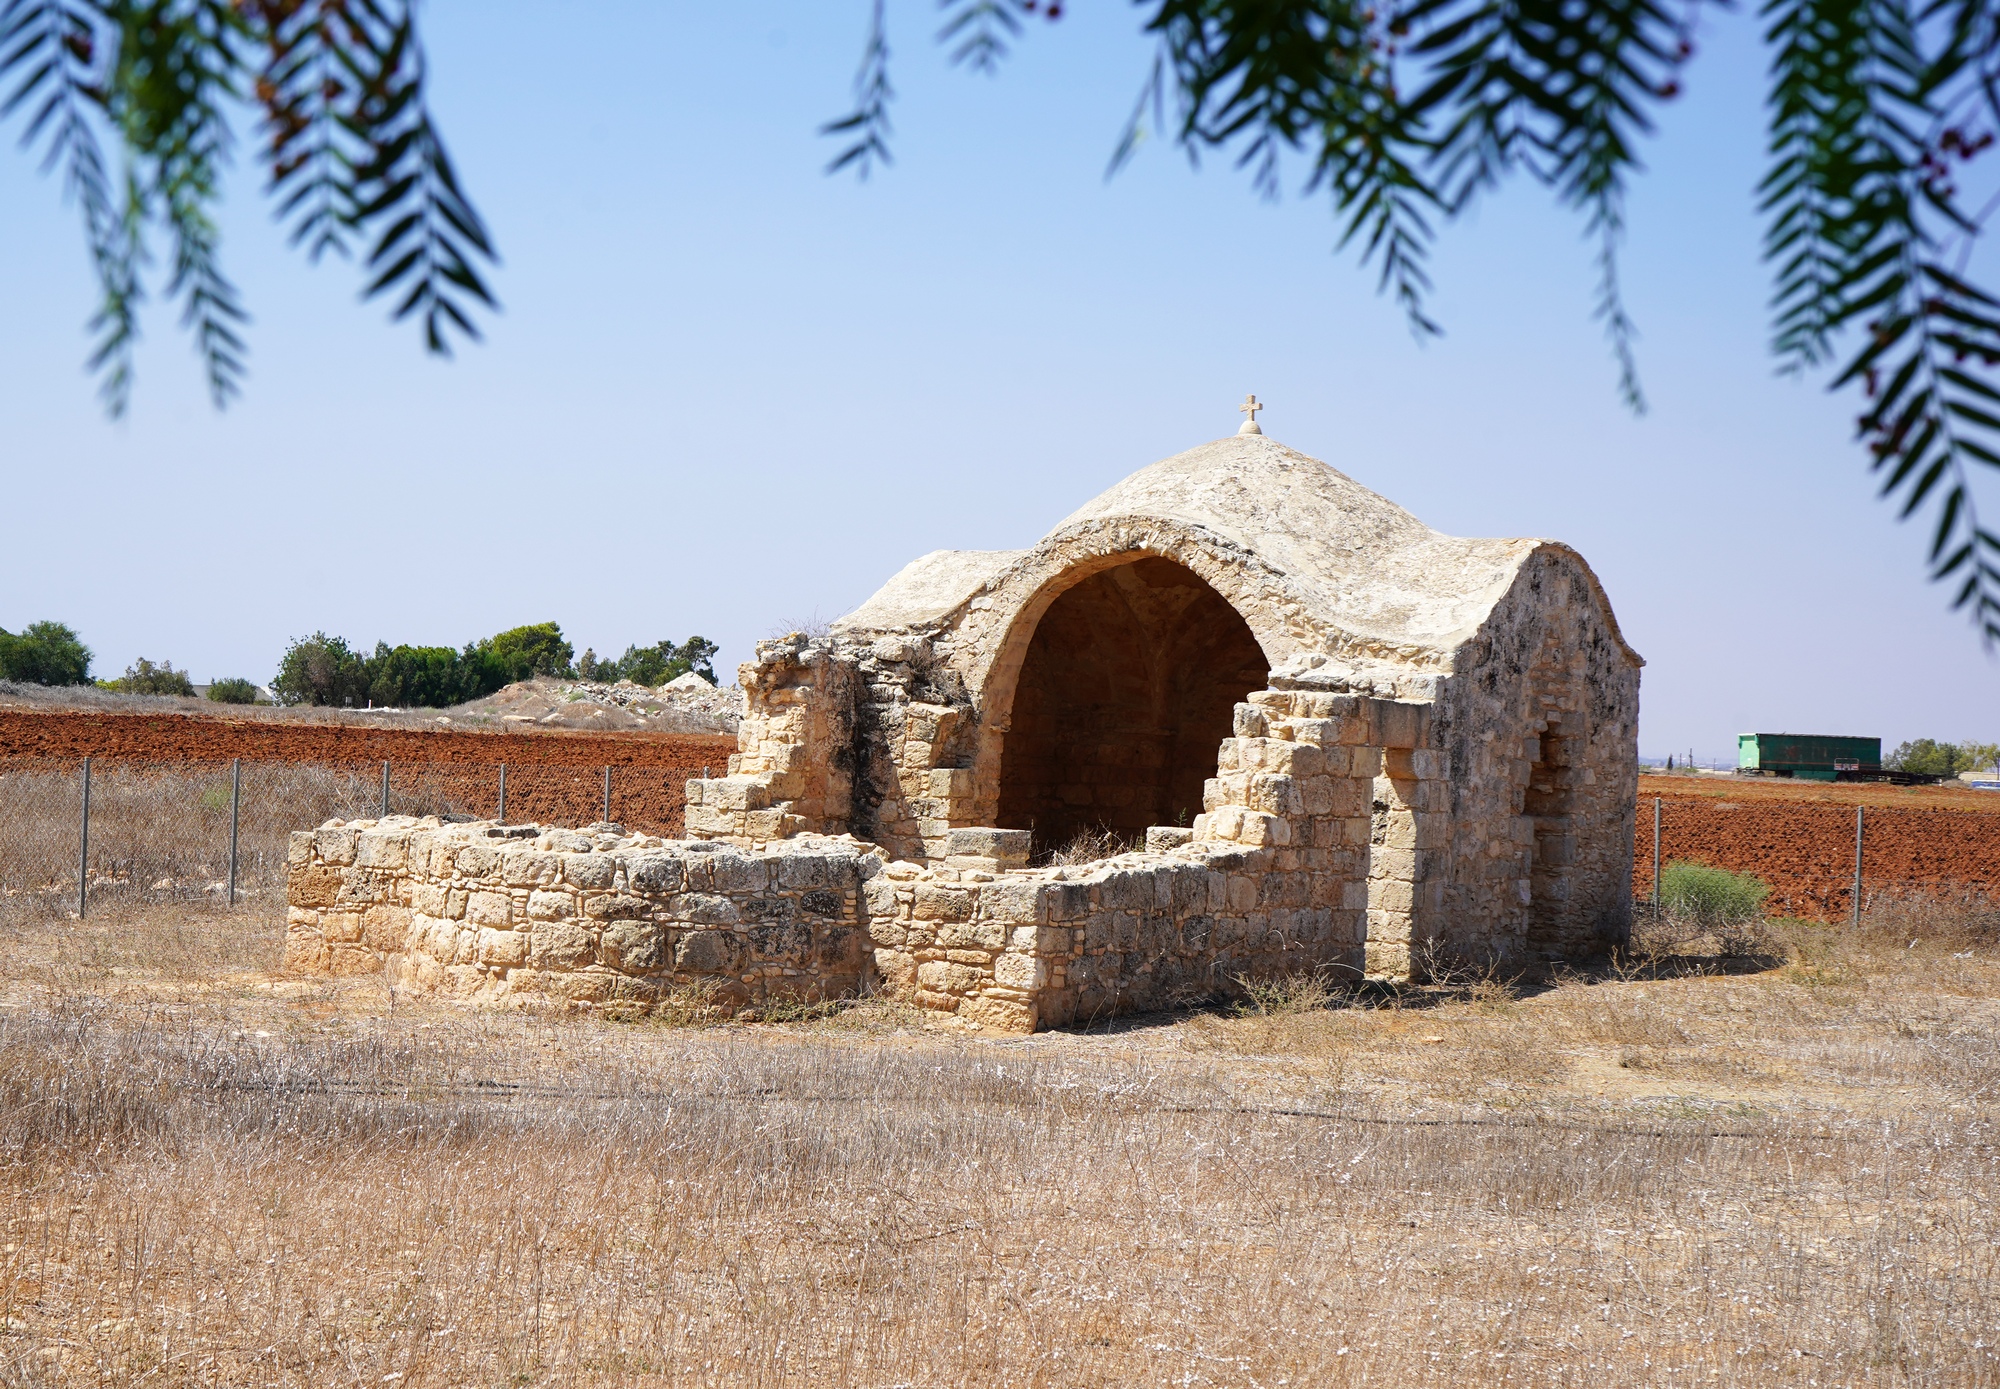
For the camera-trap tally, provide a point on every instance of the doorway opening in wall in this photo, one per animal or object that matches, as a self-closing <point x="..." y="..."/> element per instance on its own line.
<point x="1129" y="686"/>
<point x="1548" y="805"/>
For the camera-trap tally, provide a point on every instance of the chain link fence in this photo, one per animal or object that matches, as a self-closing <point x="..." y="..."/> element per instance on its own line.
<point x="172" y="830"/>
<point x="1825" y="862"/>
<point x="82" y="835"/>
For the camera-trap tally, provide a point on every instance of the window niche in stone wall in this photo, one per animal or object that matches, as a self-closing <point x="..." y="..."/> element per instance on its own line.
<point x="1549" y="805"/>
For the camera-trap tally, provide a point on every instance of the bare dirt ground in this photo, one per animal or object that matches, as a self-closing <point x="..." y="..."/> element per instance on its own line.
<point x="597" y="708"/>
<point x="1799" y="837"/>
<point x="553" y="775"/>
<point x="1766" y="1170"/>
<point x="570" y="704"/>
<point x="1788" y="790"/>
<point x="183" y="738"/>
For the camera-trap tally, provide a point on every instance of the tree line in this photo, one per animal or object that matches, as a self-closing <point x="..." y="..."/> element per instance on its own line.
<point x="1935" y="758"/>
<point x="330" y="671"/>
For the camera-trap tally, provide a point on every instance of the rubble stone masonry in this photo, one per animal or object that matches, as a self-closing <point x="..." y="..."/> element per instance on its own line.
<point x="1348" y="744"/>
<point x="1280" y="873"/>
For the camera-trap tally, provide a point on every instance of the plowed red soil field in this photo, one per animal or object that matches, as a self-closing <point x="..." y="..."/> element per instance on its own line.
<point x="552" y="776"/>
<point x="1799" y="838"/>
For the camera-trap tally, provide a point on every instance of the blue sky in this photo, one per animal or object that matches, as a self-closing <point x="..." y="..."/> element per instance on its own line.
<point x="728" y="392"/>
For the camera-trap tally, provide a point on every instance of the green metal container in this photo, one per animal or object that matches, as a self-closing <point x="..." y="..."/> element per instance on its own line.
<point x="1808" y="756"/>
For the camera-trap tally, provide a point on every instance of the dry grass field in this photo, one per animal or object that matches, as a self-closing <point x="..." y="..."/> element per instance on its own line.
<point x="1772" y="1170"/>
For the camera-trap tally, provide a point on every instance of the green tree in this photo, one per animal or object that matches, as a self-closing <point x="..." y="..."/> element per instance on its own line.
<point x="232" y="690"/>
<point x="662" y="661"/>
<point x="1402" y="112"/>
<point x="44" y="653"/>
<point x="321" y="670"/>
<point x="145" y="678"/>
<point x="326" y="670"/>
<point x="521" y="653"/>
<point x="431" y="677"/>
<point x="1935" y="758"/>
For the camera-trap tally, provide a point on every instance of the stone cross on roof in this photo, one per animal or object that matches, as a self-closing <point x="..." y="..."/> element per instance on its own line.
<point x="1250" y="407"/>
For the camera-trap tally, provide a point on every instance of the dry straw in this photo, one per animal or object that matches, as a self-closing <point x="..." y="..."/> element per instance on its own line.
<point x="217" y="1178"/>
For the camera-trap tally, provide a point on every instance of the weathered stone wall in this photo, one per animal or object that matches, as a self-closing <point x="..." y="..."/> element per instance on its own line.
<point x="793" y="771"/>
<point x="1272" y="878"/>
<point x="842" y="739"/>
<point x="482" y="911"/>
<point x="1498" y="811"/>
<point x="1343" y="785"/>
<point x="1538" y="728"/>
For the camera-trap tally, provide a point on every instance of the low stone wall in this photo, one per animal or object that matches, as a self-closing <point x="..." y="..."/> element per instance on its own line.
<point x="485" y="912"/>
<point x="1056" y="946"/>
<point x="1318" y="849"/>
<point x="481" y="911"/>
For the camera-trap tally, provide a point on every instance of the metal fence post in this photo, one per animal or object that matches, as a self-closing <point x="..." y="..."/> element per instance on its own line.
<point x="235" y="819"/>
<point x="385" y="790"/>
<point x="83" y="853"/>
<point x="1656" y="856"/>
<point x="1857" y="866"/>
<point x="502" y="815"/>
<point x="607" y="795"/>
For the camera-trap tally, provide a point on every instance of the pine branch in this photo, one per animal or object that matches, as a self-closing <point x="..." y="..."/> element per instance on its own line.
<point x="1873" y="114"/>
<point x="300" y="89"/>
<point x="867" y="125"/>
<point x="430" y="237"/>
<point x="51" y="50"/>
<point x="1314" y="78"/>
<point x="352" y="151"/>
<point x="1560" y="91"/>
<point x="983" y="30"/>
<point x="176" y="67"/>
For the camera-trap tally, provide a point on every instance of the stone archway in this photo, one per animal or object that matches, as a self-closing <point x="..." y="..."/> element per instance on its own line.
<point x="1127" y="688"/>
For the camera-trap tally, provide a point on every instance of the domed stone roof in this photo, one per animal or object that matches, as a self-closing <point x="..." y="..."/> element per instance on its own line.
<point x="1318" y="564"/>
<point x="1363" y="564"/>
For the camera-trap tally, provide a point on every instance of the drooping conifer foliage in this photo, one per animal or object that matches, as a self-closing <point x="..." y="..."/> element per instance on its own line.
<point x="132" y="102"/>
<point x="1403" y="113"/>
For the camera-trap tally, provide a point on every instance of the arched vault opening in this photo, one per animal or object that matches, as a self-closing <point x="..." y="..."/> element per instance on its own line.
<point x="1129" y="685"/>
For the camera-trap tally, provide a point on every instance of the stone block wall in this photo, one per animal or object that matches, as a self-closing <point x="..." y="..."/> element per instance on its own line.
<point x="1048" y="947"/>
<point x="482" y="911"/>
<point x="1355" y="807"/>
<point x="793" y="771"/>
<point x="1274" y="877"/>
<point x="1539" y="725"/>
<point x="840" y="741"/>
<point x="1342" y="832"/>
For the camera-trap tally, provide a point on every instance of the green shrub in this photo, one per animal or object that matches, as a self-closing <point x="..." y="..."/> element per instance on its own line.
<point x="44" y="653"/>
<point x="429" y="677"/>
<point x="1711" y="896"/>
<point x="320" y="669"/>
<point x="145" y="678"/>
<point x="657" y="664"/>
<point x="524" y="652"/>
<point x="1940" y="758"/>
<point x="234" y="690"/>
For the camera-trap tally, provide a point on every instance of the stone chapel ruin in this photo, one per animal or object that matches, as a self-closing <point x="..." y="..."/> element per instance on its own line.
<point x="1333" y="738"/>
